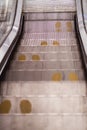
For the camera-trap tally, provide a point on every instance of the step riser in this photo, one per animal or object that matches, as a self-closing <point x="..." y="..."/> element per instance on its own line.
<point x="61" y="65"/>
<point x="48" y="16"/>
<point x="47" y="49"/>
<point x="42" y="75"/>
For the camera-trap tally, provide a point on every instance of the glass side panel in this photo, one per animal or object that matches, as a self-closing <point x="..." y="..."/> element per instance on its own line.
<point x="7" y="14"/>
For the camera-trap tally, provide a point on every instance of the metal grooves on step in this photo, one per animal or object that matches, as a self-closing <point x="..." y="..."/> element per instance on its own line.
<point x="44" y="87"/>
<point x="48" y="51"/>
<point x="48" y="16"/>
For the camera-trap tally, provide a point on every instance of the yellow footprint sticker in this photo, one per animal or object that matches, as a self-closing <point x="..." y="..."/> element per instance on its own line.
<point x="36" y="57"/>
<point x="22" y="57"/>
<point x="44" y="43"/>
<point x="5" y="107"/>
<point x="58" y="26"/>
<point x="73" y="77"/>
<point x="25" y="106"/>
<point x="55" y="43"/>
<point x="57" y="77"/>
<point x="69" y="26"/>
<point x="58" y="30"/>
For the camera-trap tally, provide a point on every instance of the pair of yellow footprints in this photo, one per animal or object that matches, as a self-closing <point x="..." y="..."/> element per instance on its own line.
<point x="22" y="57"/>
<point x="44" y="43"/>
<point x="71" y="77"/>
<point x="25" y="107"/>
<point x="68" y="24"/>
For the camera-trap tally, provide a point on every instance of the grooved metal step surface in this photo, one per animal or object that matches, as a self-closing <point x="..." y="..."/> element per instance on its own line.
<point x="44" y="86"/>
<point x="48" y="51"/>
<point x="49" y="6"/>
<point x="48" y="16"/>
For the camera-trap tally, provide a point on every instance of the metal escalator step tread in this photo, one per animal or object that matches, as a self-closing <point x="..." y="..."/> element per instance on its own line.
<point x="47" y="49"/>
<point x="48" y="16"/>
<point x="45" y="105"/>
<point x="47" y="89"/>
<point x="57" y="56"/>
<point x="51" y="35"/>
<point x="48" y="121"/>
<point x="37" y="64"/>
<point x="47" y="26"/>
<point x="48" y="42"/>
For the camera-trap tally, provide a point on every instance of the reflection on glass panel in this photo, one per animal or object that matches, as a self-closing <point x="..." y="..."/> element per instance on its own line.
<point x="7" y="14"/>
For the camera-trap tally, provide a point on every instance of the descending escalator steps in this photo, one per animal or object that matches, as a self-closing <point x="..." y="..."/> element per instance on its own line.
<point x="25" y="106"/>
<point x="5" y="107"/>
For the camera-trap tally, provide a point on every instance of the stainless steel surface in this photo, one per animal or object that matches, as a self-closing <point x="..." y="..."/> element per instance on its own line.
<point x="11" y="36"/>
<point x="49" y="6"/>
<point x="84" y="5"/>
<point x="44" y="87"/>
<point x="48" y="49"/>
<point x="7" y="25"/>
<point x="82" y="31"/>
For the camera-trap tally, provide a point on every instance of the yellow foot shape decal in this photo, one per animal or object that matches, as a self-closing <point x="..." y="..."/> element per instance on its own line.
<point x="57" y="77"/>
<point x="55" y="43"/>
<point x="25" y="106"/>
<point x="44" y="43"/>
<point x="36" y="57"/>
<point x="73" y="77"/>
<point x="22" y="57"/>
<point x="5" y="107"/>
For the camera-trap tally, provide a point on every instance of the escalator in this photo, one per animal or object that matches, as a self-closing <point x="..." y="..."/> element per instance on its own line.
<point x="44" y="84"/>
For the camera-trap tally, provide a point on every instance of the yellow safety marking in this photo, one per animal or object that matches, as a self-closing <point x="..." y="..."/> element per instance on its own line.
<point x="25" y="106"/>
<point x="69" y="30"/>
<point x="55" y="43"/>
<point x="44" y="43"/>
<point x="36" y="57"/>
<point x="73" y="77"/>
<point x="58" y="30"/>
<point x="58" y="24"/>
<point x="5" y="107"/>
<point x="57" y="77"/>
<point x="22" y="57"/>
<point x="69" y="26"/>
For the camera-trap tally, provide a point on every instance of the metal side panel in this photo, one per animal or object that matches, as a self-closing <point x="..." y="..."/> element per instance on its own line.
<point x="12" y="35"/>
<point x="82" y="31"/>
